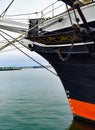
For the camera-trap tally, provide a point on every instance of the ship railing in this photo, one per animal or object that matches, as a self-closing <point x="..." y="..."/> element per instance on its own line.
<point x="57" y="7"/>
<point x="48" y="12"/>
<point x="53" y="10"/>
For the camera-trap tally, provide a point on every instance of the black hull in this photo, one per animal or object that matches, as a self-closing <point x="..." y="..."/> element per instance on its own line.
<point x="78" y="78"/>
<point x="71" y="52"/>
<point x="75" y="66"/>
<point x="77" y="75"/>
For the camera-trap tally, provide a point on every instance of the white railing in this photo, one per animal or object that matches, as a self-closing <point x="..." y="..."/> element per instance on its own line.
<point x="53" y="9"/>
<point x="48" y="12"/>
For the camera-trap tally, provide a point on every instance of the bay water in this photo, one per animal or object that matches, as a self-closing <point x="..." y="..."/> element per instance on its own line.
<point x="33" y="99"/>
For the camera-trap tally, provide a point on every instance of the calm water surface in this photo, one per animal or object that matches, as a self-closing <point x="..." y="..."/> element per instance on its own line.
<point x="34" y="99"/>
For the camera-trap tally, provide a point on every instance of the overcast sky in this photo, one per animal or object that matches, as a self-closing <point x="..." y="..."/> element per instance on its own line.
<point x="25" y="6"/>
<point x="15" y="57"/>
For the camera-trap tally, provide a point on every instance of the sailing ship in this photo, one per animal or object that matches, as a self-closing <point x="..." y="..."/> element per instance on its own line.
<point x="67" y="42"/>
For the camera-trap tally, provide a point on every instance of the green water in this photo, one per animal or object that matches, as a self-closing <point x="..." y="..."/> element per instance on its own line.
<point x="33" y="99"/>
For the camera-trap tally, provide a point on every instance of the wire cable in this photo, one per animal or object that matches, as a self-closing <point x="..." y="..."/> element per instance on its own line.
<point x="26" y="53"/>
<point x="35" y="60"/>
<point x="4" y="12"/>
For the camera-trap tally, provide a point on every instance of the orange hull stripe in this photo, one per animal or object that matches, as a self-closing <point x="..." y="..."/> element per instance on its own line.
<point x="83" y="109"/>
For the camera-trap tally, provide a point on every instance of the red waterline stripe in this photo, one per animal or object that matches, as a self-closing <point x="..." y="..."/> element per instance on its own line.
<point x="82" y="109"/>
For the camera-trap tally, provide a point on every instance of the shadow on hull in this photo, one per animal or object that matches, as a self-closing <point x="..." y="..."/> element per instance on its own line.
<point x="80" y="125"/>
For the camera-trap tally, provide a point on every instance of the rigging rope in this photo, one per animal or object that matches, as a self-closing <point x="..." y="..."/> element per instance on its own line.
<point x="69" y="14"/>
<point x="20" y="36"/>
<point x="35" y="60"/>
<point x="9" y="50"/>
<point x="3" y="13"/>
<point x="26" y="53"/>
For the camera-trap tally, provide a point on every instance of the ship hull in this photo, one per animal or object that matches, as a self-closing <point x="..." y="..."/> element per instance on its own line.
<point x="71" y="52"/>
<point x="77" y="75"/>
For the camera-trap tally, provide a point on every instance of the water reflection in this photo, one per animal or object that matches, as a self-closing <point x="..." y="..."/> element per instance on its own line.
<point x="79" y="125"/>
